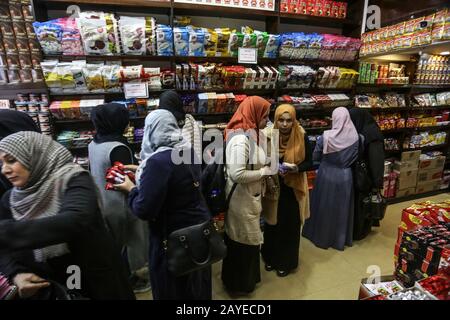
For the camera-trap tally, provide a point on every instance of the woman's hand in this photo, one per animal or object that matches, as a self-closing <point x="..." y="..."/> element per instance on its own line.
<point x="131" y="167"/>
<point x="28" y="284"/>
<point x="126" y="187"/>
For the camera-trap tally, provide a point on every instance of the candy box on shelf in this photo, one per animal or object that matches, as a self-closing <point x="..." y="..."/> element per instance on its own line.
<point x="413" y="293"/>
<point x="385" y="286"/>
<point x="437" y="285"/>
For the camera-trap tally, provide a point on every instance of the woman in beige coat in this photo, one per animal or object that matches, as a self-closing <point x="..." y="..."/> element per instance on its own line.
<point x="246" y="170"/>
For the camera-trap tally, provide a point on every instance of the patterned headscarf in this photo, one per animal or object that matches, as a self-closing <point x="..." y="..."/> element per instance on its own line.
<point x="51" y="168"/>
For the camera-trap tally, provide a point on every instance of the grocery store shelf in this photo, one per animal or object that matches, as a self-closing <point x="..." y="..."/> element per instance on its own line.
<point x="317" y="129"/>
<point x="429" y="148"/>
<point x="434" y="48"/>
<point x="87" y="121"/>
<point x="315" y="90"/>
<point x="107" y="57"/>
<point x="445" y="128"/>
<point x="416" y="196"/>
<point x="363" y="86"/>
<point x="317" y="62"/>
<point x="10" y="91"/>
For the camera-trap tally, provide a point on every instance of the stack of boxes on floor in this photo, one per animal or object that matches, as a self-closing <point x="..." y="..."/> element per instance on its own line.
<point x="423" y="243"/>
<point x="415" y="173"/>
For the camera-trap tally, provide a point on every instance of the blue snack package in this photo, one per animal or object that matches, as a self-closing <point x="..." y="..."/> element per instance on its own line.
<point x="164" y="40"/>
<point x="49" y="35"/>
<point x="181" y="41"/>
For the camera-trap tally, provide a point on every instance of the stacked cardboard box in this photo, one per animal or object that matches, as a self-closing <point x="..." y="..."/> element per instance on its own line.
<point x="429" y="177"/>
<point x="407" y="170"/>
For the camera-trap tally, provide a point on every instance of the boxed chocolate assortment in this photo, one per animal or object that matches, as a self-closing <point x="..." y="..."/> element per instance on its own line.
<point x="18" y="45"/>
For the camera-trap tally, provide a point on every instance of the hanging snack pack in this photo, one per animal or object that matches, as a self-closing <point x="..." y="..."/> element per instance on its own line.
<point x="111" y="78"/>
<point x="223" y="38"/>
<point x="150" y="36"/>
<point x="164" y="38"/>
<point x="65" y="76"/>
<point x="132" y="32"/>
<point x="261" y="42"/>
<point x="93" y="27"/>
<point x="286" y="45"/>
<point x="71" y="39"/>
<point x="113" y="33"/>
<point x="181" y="41"/>
<point x="94" y="78"/>
<point x="49" y="68"/>
<point x="271" y="50"/>
<point x="236" y="39"/>
<point x="196" y="42"/>
<point x="78" y="75"/>
<point x="249" y="40"/>
<point x="49" y="35"/>
<point x="211" y="40"/>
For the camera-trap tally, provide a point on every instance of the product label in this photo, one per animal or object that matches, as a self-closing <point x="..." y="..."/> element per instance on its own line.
<point x="135" y="90"/>
<point x="248" y="55"/>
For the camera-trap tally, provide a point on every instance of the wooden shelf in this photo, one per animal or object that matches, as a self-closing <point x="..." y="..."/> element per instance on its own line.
<point x="416" y="196"/>
<point x="434" y="48"/>
<point x="10" y="91"/>
<point x="382" y="86"/>
<point x="107" y="57"/>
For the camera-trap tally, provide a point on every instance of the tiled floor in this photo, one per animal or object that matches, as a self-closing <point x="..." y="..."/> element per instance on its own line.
<point x="329" y="274"/>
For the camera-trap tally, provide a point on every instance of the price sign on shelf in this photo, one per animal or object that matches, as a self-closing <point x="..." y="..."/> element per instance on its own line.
<point x="248" y="55"/>
<point x="135" y="90"/>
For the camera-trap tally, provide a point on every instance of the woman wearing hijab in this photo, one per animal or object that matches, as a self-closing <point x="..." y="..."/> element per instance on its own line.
<point x="373" y="155"/>
<point x="168" y="197"/>
<point x="332" y="200"/>
<point x="109" y="145"/>
<point x="170" y="100"/>
<point x="12" y="121"/>
<point x="281" y="246"/>
<point x="246" y="169"/>
<point x="51" y="220"/>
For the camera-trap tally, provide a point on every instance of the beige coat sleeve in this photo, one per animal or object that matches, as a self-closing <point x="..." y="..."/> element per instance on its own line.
<point x="237" y="152"/>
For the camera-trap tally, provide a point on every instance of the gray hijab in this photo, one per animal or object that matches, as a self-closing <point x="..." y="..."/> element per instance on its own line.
<point x="161" y="133"/>
<point x="51" y="167"/>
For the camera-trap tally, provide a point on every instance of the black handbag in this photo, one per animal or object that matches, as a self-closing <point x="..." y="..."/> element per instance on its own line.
<point x="361" y="171"/>
<point x="195" y="247"/>
<point x="375" y="206"/>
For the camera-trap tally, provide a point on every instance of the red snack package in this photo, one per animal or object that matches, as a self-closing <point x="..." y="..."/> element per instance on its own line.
<point x="310" y="7"/>
<point x="335" y="9"/>
<point x="119" y="165"/>
<point x="284" y="6"/>
<point x="327" y="4"/>
<point x="319" y="9"/>
<point x="342" y="13"/>
<point x="109" y="186"/>
<point x="302" y="7"/>
<point x="293" y="6"/>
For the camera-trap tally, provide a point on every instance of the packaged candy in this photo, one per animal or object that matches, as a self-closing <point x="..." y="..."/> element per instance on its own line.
<point x="249" y="40"/>
<point x="132" y="32"/>
<point x="196" y="42"/>
<point x="223" y="38"/>
<point x="94" y="78"/>
<point x="272" y="45"/>
<point x="181" y="41"/>
<point x="49" y="35"/>
<point x="111" y="78"/>
<point x="236" y="39"/>
<point x="150" y="35"/>
<point x="93" y="31"/>
<point x="131" y="73"/>
<point x="211" y="40"/>
<point x="65" y="76"/>
<point x="71" y="43"/>
<point x="49" y="69"/>
<point x="286" y="45"/>
<point x="6" y="28"/>
<point x="164" y="38"/>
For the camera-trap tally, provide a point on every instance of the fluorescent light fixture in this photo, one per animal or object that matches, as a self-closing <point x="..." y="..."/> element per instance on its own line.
<point x="445" y="53"/>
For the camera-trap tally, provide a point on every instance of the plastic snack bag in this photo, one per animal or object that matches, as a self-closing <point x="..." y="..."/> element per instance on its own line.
<point x="111" y="78"/>
<point x="223" y="38"/>
<point x="236" y="39"/>
<point x="49" y="69"/>
<point x="71" y="39"/>
<point x="196" y="42"/>
<point x="271" y="50"/>
<point x="78" y="76"/>
<point x="65" y="76"/>
<point x="150" y="35"/>
<point x="181" y="41"/>
<point x="211" y="40"/>
<point x="93" y="32"/>
<point x="49" y="35"/>
<point x="132" y="32"/>
<point x="164" y="38"/>
<point x="94" y="78"/>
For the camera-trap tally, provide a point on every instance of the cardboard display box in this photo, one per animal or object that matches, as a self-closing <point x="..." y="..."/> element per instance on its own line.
<point x="437" y="163"/>
<point x="407" y="179"/>
<point x="428" y="186"/>
<point x="402" y="166"/>
<point x="405" y="192"/>
<point x="429" y="175"/>
<point x="365" y="293"/>
<point x="411" y="156"/>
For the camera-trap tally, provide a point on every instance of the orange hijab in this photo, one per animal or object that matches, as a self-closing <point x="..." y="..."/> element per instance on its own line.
<point x="292" y="150"/>
<point x="248" y="115"/>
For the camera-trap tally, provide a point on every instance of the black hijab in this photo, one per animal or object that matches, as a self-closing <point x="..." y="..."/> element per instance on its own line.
<point x="366" y="125"/>
<point x="12" y="121"/>
<point x="171" y="101"/>
<point x="110" y="121"/>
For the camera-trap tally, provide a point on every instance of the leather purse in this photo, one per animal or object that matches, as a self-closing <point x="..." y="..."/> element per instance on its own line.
<point x="194" y="247"/>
